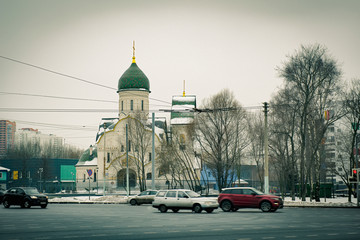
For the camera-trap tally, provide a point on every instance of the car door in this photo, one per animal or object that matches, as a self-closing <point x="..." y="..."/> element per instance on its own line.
<point x="11" y="195"/>
<point x="250" y="198"/>
<point x="170" y="199"/>
<point x="141" y="198"/>
<point x="19" y="196"/>
<point x="236" y="197"/>
<point x="183" y="200"/>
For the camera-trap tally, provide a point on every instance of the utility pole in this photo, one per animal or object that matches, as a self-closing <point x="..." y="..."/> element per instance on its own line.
<point x="266" y="145"/>
<point x="127" y="163"/>
<point x="153" y="153"/>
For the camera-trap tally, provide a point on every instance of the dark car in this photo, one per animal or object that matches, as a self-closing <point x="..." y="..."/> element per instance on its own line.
<point x="231" y="199"/>
<point x="143" y="197"/>
<point x="25" y="197"/>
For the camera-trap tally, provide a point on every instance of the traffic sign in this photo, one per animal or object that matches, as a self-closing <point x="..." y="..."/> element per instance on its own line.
<point x="89" y="171"/>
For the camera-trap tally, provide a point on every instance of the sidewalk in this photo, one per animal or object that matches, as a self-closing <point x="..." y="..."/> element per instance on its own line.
<point x="341" y="202"/>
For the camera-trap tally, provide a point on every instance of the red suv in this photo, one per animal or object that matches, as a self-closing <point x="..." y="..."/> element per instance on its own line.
<point x="247" y="197"/>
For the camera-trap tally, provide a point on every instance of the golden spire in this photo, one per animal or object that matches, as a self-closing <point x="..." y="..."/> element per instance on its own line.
<point x="133" y="58"/>
<point x="184" y="89"/>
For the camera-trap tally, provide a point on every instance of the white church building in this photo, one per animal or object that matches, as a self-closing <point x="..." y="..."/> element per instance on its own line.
<point x="124" y="146"/>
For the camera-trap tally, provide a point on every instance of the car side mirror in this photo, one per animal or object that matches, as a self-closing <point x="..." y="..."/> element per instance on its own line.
<point x="254" y="194"/>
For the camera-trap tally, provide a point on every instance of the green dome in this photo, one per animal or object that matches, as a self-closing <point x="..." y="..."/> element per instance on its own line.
<point x="133" y="79"/>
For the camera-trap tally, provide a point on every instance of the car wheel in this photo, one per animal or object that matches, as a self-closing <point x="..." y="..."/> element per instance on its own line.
<point x="133" y="202"/>
<point x="210" y="210"/>
<point x="226" y="206"/>
<point x="43" y="206"/>
<point x="163" y="209"/>
<point x="175" y="210"/>
<point x="197" y="208"/>
<point x="27" y="204"/>
<point x="265" y="206"/>
<point x="6" y="203"/>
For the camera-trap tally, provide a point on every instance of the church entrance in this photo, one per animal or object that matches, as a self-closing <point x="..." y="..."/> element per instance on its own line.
<point x="121" y="178"/>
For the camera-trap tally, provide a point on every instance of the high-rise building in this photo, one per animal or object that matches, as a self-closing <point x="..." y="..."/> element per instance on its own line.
<point x="7" y="136"/>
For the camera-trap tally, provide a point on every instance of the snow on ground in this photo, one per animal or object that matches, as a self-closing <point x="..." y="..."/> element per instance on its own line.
<point x="120" y="199"/>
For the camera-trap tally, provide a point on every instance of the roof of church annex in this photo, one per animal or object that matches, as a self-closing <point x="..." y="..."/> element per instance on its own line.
<point x="88" y="159"/>
<point x="133" y="78"/>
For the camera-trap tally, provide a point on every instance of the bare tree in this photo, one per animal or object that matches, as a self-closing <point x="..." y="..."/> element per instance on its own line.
<point x="140" y="143"/>
<point x="283" y="139"/>
<point x="256" y="132"/>
<point x="351" y="104"/>
<point x="178" y="159"/>
<point x="314" y="76"/>
<point x="221" y="134"/>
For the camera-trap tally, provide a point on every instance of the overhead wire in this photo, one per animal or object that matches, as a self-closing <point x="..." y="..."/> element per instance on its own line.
<point x="72" y="77"/>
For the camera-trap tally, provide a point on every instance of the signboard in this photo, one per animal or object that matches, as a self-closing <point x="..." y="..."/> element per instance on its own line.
<point x="89" y="171"/>
<point x="15" y="175"/>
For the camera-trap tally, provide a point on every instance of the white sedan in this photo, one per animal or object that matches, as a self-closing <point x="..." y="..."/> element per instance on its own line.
<point x="177" y="199"/>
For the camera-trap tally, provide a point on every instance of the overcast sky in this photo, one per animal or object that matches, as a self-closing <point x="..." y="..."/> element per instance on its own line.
<point x="211" y="45"/>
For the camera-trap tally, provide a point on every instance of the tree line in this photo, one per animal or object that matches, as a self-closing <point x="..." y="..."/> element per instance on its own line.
<point x="313" y="99"/>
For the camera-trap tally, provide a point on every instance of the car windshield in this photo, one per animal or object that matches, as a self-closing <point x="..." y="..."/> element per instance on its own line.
<point x="31" y="191"/>
<point x="258" y="192"/>
<point x="192" y="194"/>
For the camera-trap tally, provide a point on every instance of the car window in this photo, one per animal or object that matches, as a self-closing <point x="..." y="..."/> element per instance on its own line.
<point x="237" y="191"/>
<point x="192" y="194"/>
<point x="20" y="191"/>
<point x="181" y="194"/>
<point x="161" y="194"/>
<point x="144" y="193"/>
<point x="31" y="191"/>
<point x="13" y="190"/>
<point x="152" y="192"/>
<point x="171" y="194"/>
<point x="248" y="191"/>
<point x="226" y="191"/>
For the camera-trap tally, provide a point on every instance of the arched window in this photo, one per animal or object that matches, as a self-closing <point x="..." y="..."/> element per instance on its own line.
<point x="131" y="105"/>
<point x="148" y="176"/>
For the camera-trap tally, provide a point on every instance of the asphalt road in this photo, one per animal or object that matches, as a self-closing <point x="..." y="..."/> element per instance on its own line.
<point x="121" y="221"/>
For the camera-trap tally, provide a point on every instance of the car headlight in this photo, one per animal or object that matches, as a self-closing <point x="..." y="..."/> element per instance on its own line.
<point x="34" y="197"/>
<point x="277" y="199"/>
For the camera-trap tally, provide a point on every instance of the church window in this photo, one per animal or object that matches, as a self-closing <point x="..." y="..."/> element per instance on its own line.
<point x="84" y="178"/>
<point x="148" y="176"/>
<point x="142" y="105"/>
<point x="149" y="157"/>
<point x="132" y="105"/>
<point x="108" y="157"/>
<point x="122" y="105"/>
<point x="95" y="176"/>
<point x="129" y="146"/>
<point x="122" y="148"/>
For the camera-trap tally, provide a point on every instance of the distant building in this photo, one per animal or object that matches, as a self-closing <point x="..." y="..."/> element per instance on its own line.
<point x="45" y="141"/>
<point x="7" y="136"/>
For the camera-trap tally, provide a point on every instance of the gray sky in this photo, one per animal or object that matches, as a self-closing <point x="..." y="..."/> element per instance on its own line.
<point x="210" y="44"/>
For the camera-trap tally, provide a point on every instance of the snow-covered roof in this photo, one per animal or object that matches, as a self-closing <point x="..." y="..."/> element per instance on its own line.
<point x="105" y="125"/>
<point x="181" y="120"/>
<point x="92" y="162"/>
<point x="4" y="169"/>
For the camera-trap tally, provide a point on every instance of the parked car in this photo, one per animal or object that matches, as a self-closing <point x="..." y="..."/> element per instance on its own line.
<point x="183" y="199"/>
<point x="143" y="197"/>
<point x="25" y="197"/>
<point x="231" y="199"/>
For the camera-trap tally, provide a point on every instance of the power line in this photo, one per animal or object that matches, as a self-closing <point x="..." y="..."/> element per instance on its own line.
<point x="72" y="77"/>
<point x="58" y="97"/>
<point x="58" y="73"/>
